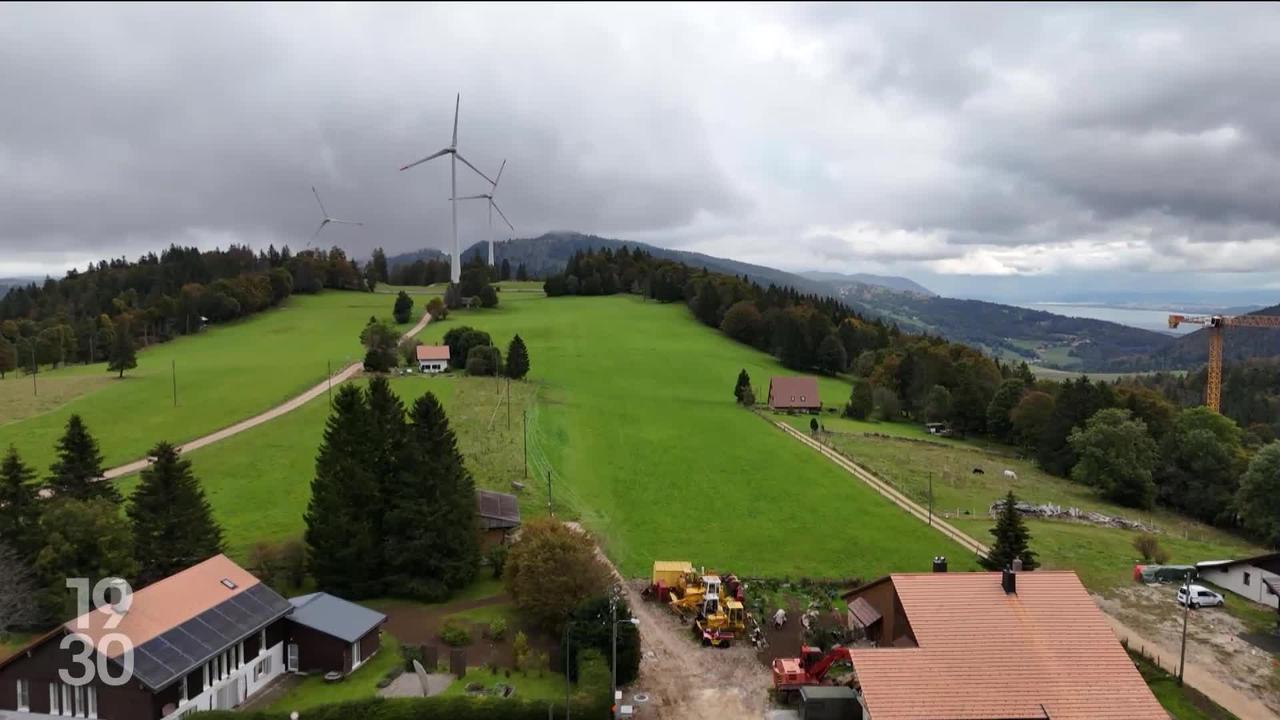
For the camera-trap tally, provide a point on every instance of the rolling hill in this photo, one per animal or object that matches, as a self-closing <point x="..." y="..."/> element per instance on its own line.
<point x="891" y="282"/>
<point x="1008" y="332"/>
<point x="1192" y="350"/>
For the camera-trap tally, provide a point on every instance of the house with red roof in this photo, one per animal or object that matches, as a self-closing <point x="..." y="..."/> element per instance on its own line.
<point x="794" y="394"/>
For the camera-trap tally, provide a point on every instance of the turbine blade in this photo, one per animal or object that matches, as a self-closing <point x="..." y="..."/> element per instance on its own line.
<point x="494" y="205"/>
<point x="344" y="222"/>
<point x="472" y="197"/>
<point x="317" y="232"/>
<point x="432" y="156"/>
<point x="456" y="104"/>
<point x="473" y="167"/>
<point x="498" y="178"/>
<point x="322" y="210"/>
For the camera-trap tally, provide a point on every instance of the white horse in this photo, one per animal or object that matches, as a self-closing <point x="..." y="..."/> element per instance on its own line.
<point x="1010" y="475"/>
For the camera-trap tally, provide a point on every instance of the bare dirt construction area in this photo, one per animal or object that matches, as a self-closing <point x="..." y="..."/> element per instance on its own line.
<point x="1213" y="639"/>
<point x="684" y="679"/>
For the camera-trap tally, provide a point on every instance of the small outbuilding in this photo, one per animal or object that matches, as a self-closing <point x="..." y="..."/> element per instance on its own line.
<point x="829" y="702"/>
<point x="795" y="394"/>
<point x="328" y="634"/>
<point x="433" y="358"/>
<point x="1255" y="578"/>
<point x="499" y="517"/>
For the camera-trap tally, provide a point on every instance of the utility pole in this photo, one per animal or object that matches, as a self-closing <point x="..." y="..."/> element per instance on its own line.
<point x="930" y="499"/>
<point x="330" y="389"/>
<point x="173" y="368"/>
<point x="1186" y="611"/>
<point x="525" y="422"/>
<point x="551" y="506"/>
<point x="35" y="370"/>
<point x="567" y="639"/>
<point x="508" y="403"/>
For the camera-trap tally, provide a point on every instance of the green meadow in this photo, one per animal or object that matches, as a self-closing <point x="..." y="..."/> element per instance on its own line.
<point x="224" y="375"/>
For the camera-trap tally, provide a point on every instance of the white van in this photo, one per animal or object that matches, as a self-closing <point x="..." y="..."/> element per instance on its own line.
<point x="1201" y="596"/>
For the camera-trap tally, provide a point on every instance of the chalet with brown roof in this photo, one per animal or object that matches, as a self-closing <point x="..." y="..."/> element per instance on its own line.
<point x="796" y="394"/>
<point x="207" y="638"/>
<point x="980" y="646"/>
<point x="433" y="358"/>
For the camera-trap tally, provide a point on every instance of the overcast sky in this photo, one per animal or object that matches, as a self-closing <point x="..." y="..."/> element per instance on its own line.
<point x="980" y="150"/>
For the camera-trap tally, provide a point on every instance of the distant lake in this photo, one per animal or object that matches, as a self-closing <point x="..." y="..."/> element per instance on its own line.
<point x="1155" y="320"/>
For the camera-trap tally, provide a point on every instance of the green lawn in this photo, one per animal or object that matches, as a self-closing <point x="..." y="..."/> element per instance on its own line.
<point x="1103" y="557"/>
<point x="487" y="614"/>
<point x="259" y="482"/>
<point x="225" y="374"/>
<point x="529" y="686"/>
<point x="313" y="690"/>
<point x="637" y="418"/>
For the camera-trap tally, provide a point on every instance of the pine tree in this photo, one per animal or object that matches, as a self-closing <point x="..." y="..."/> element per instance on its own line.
<point x="403" y="309"/>
<point x="342" y="547"/>
<point x="77" y="473"/>
<point x="123" y="356"/>
<point x="81" y="539"/>
<point x="431" y="540"/>
<point x="1012" y="539"/>
<point x="8" y="356"/>
<point x="388" y="437"/>
<point x="743" y="385"/>
<point x="522" y="273"/>
<point x="19" y="505"/>
<point x="505" y="272"/>
<point x="832" y="357"/>
<point x="517" y="359"/>
<point x="173" y="525"/>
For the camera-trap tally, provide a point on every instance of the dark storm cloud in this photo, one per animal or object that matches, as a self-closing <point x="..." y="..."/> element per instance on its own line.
<point x="955" y="139"/>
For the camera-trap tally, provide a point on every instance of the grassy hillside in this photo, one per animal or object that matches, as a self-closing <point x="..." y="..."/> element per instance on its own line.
<point x="635" y="413"/>
<point x="1103" y="556"/>
<point x="225" y="374"/>
<point x="638" y="420"/>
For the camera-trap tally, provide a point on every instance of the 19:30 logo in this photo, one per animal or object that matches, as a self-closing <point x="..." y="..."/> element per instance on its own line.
<point x="111" y="597"/>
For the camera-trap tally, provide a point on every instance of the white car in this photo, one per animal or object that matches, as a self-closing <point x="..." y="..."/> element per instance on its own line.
<point x="1201" y="596"/>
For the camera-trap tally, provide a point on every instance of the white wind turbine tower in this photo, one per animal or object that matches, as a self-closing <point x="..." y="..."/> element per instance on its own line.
<point x="455" y="270"/>
<point x="492" y="206"/>
<point x="325" y="215"/>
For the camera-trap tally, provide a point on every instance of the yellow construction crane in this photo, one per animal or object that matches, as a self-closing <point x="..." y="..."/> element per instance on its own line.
<point x="1215" y="324"/>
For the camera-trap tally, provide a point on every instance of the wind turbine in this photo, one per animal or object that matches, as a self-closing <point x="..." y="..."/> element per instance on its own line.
<point x="455" y="270"/>
<point x="325" y="214"/>
<point x="492" y="206"/>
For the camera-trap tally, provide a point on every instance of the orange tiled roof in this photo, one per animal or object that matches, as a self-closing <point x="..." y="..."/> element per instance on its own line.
<point x="433" y="352"/>
<point x="985" y="654"/>
<point x="167" y="603"/>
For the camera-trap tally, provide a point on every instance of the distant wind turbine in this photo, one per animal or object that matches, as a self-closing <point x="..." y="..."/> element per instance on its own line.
<point x="492" y="206"/>
<point x="325" y="214"/>
<point x="455" y="271"/>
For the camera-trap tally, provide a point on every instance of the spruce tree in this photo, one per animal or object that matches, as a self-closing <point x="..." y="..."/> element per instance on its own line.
<point x="431" y="538"/>
<point x="1012" y="539"/>
<point x="388" y="437"/>
<point x="744" y="384"/>
<point x="403" y="308"/>
<point x="517" y="359"/>
<point x="342" y="545"/>
<point x="173" y="525"/>
<point x="19" y="508"/>
<point x="123" y="356"/>
<point x="77" y="473"/>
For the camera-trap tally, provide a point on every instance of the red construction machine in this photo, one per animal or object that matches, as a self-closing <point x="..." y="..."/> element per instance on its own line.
<point x="811" y="668"/>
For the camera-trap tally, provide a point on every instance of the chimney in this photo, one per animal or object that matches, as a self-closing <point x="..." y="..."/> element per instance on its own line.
<point x="940" y="564"/>
<point x="1009" y="581"/>
<point x="1017" y="565"/>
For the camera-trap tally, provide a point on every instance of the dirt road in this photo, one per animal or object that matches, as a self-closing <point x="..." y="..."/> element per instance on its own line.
<point x="285" y="407"/>
<point x="1209" y="676"/>
<point x="682" y="678"/>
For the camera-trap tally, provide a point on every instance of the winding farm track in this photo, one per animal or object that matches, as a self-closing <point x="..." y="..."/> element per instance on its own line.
<point x="287" y="406"/>
<point x="1197" y="676"/>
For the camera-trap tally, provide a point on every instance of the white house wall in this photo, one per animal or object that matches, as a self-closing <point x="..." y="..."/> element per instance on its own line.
<point x="207" y="700"/>
<point x="1231" y="578"/>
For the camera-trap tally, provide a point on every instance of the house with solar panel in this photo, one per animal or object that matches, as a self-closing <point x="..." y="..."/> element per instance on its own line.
<point x="207" y="638"/>
<point x="498" y="515"/>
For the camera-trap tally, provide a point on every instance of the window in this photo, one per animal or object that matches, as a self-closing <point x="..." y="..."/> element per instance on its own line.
<point x="91" y="693"/>
<point x="80" y="709"/>
<point x="1246" y="578"/>
<point x="793" y="398"/>
<point x="801" y="398"/>
<point x="228" y="584"/>
<point x="262" y="641"/>
<point x="55" y="704"/>
<point x="66" y="698"/>
<point x="355" y="655"/>
<point x="24" y="696"/>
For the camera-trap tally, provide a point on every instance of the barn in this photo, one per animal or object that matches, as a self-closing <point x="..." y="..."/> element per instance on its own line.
<point x="794" y="394"/>
<point x="1255" y="578"/>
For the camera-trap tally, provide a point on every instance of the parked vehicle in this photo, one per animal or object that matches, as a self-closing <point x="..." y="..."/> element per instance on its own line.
<point x="1201" y="596"/>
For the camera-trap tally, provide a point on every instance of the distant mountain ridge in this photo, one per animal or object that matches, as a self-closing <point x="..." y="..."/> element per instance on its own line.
<point x="1008" y="332"/>
<point x="1191" y="350"/>
<point x="12" y="282"/>
<point x="891" y="282"/>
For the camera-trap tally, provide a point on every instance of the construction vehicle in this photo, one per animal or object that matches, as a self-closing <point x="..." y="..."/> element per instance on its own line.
<point x="1215" y="324"/>
<point x="669" y="575"/>
<point x="811" y="668"/>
